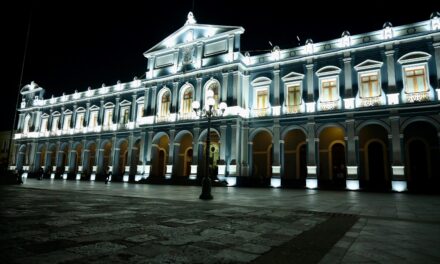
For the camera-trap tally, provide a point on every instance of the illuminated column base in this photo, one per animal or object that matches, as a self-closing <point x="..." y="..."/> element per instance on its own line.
<point x="126" y="177"/>
<point x="349" y="103"/>
<point x="147" y="171"/>
<point x="352" y="185"/>
<point x="352" y="182"/>
<point x="399" y="186"/>
<point x="24" y="175"/>
<point x="78" y="176"/>
<point x="65" y="176"/>
<point x="193" y="174"/>
<point x="169" y="171"/>
<point x="311" y="183"/>
<point x="310" y="107"/>
<point x="393" y="99"/>
<point x="232" y="169"/>
<point x="52" y="175"/>
<point x="93" y="176"/>
<point x="232" y="180"/>
<point x="275" y="182"/>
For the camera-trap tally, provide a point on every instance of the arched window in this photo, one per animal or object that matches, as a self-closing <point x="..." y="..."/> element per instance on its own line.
<point x="187" y="101"/>
<point x="165" y="104"/>
<point x="214" y="86"/>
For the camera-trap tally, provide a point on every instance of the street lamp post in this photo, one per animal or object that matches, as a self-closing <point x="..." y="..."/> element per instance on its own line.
<point x="208" y="112"/>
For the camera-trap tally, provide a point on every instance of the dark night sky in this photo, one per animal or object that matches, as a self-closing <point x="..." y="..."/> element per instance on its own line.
<point x="76" y="44"/>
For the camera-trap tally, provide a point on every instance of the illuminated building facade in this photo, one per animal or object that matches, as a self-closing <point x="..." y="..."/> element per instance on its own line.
<point x="359" y="111"/>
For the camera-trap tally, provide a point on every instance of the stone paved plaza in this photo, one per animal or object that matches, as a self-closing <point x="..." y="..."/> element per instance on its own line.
<point x="84" y="222"/>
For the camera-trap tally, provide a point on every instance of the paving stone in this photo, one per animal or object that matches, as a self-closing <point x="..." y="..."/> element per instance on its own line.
<point x="97" y="248"/>
<point x="235" y="255"/>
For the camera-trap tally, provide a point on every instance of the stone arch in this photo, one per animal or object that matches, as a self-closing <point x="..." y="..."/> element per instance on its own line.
<point x="21" y="155"/>
<point x="332" y="156"/>
<point x="327" y="125"/>
<point x="411" y="120"/>
<point x="214" y="85"/>
<point x="374" y="162"/>
<point x="183" y="153"/>
<point x="255" y="131"/>
<point x="286" y="130"/>
<point x="422" y="154"/>
<point x="262" y="156"/>
<point x="294" y="158"/>
<point x="159" y="154"/>
<point x="378" y="122"/>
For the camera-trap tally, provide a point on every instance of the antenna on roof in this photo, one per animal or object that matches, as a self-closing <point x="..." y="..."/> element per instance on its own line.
<point x="270" y="43"/>
<point x="299" y="41"/>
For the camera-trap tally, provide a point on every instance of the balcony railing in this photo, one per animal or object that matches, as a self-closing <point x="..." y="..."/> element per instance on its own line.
<point x="292" y="109"/>
<point x="418" y="97"/>
<point x="370" y="101"/>
<point x="261" y="112"/>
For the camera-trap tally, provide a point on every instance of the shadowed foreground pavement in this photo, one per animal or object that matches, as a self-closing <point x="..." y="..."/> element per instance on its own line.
<point x="83" y="222"/>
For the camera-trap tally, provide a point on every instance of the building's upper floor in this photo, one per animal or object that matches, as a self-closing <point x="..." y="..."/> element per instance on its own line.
<point x="387" y="68"/>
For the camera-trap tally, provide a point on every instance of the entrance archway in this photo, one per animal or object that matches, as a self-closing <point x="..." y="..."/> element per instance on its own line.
<point x="262" y="157"/>
<point x="214" y="153"/>
<point x="374" y="162"/>
<point x="159" y="155"/>
<point x="295" y="160"/>
<point x="422" y="156"/>
<point x="183" y="152"/>
<point x="332" y="165"/>
<point x="21" y="157"/>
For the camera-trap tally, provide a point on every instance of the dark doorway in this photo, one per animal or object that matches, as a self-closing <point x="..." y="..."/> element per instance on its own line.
<point x="376" y="166"/>
<point x="338" y="165"/>
<point x="418" y="164"/>
<point x="161" y="164"/>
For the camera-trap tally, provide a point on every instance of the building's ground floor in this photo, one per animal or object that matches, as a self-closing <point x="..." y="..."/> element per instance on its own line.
<point x="383" y="152"/>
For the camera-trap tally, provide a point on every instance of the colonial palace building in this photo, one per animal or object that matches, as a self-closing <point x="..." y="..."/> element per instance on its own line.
<point x="356" y="112"/>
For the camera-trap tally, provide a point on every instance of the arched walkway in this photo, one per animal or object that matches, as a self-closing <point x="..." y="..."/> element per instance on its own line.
<point x="20" y="160"/>
<point x="159" y="155"/>
<point x="214" y="153"/>
<point x="262" y="157"/>
<point x="183" y="154"/>
<point x="421" y="144"/>
<point x="294" y="163"/>
<point x="332" y="160"/>
<point x="374" y="161"/>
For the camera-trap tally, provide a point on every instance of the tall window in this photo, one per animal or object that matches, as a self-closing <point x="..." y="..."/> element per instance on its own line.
<point x="125" y="116"/>
<point x="370" y="85"/>
<point x="44" y="125"/>
<point x="165" y="104"/>
<point x="293" y="95"/>
<point x="262" y="99"/>
<point x="93" y="122"/>
<point x="215" y="88"/>
<point x="140" y="111"/>
<point x="55" y="123"/>
<point x="329" y="90"/>
<point x="109" y="117"/>
<point x="415" y="80"/>
<point x="79" y="120"/>
<point x="67" y="120"/>
<point x="187" y="101"/>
